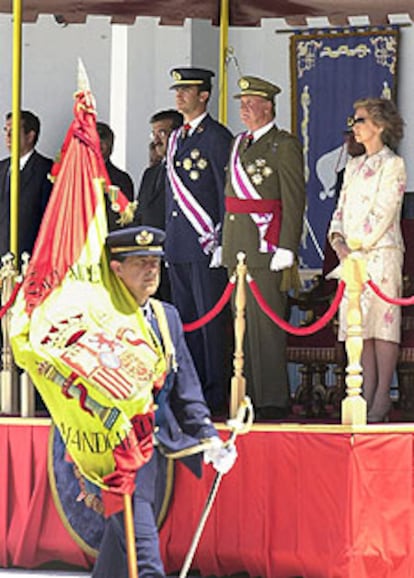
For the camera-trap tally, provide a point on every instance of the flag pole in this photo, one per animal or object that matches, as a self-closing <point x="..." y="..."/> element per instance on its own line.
<point x="224" y="35"/>
<point x="130" y="537"/>
<point x="15" y="137"/>
<point x="8" y="400"/>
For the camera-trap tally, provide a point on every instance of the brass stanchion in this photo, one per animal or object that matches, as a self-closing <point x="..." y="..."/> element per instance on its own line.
<point x="9" y="377"/>
<point x="27" y="396"/>
<point x="354" y="406"/>
<point x="27" y="392"/>
<point x="238" y="381"/>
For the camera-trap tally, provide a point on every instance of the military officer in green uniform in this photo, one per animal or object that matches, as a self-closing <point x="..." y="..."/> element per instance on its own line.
<point x="265" y="201"/>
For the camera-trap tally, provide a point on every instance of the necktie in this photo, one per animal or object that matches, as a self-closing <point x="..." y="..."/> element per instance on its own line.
<point x="185" y="130"/>
<point x="248" y="139"/>
<point x="151" y="319"/>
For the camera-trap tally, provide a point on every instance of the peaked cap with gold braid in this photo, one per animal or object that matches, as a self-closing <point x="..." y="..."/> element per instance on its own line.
<point x="254" y="86"/>
<point x="140" y="241"/>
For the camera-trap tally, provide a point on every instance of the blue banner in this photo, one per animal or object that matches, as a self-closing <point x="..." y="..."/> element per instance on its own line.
<point x="330" y="71"/>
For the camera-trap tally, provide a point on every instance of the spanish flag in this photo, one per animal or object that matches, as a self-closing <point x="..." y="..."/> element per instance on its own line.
<point x="76" y="329"/>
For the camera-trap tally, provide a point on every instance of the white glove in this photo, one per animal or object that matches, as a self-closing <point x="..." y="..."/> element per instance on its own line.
<point x="221" y="457"/>
<point x="282" y="259"/>
<point x="216" y="258"/>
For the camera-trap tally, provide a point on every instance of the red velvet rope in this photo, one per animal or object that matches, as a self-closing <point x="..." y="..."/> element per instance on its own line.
<point x="213" y="312"/>
<point x="393" y="300"/>
<point x="11" y="300"/>
<point x="309" y="329"/>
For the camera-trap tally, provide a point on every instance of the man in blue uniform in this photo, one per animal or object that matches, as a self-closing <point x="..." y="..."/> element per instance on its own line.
<point x="182" y="417"/>
<point x="196" y="159"/>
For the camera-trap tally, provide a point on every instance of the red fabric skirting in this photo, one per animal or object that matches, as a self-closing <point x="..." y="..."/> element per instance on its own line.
<point x="31" y="532"/>
<point x="297" y="503"/>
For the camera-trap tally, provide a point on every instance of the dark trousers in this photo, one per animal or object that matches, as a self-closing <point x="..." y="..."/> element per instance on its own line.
<point x="265" y="344"/>
<point x="112" y="559"/>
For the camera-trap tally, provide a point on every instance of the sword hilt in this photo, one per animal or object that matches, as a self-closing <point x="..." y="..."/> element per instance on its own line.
<point x="242" y="423"/>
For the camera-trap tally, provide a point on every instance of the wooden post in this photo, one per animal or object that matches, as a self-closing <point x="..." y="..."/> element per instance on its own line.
<point x="238" y="381"/>
<point x="354" y="406"/>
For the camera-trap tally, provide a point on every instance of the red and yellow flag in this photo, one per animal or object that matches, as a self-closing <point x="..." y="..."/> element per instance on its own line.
<point x="77" y="330"/>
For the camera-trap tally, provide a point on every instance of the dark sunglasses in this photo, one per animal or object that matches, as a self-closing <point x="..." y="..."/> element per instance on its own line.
<point x="351" y="121"/>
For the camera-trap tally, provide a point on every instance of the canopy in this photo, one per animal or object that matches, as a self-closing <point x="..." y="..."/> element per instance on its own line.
<point x="242" y="12"/>
<point x="220" y="12"/>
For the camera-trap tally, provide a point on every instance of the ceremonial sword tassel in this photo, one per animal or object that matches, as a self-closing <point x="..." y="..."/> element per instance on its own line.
<point x="241" y="424"/>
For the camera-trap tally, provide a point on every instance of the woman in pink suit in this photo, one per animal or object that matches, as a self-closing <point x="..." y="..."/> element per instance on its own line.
<point x="369" y="211"/>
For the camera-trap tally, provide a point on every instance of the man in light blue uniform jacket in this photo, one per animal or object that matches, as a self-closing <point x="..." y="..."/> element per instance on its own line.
<point x="182" y="417"/>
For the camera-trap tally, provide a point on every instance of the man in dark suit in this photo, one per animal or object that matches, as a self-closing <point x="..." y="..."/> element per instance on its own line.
<point x="265" y="201"/>
<point x="151" y="195"/>
<point x="35" y="187"/>
<point x="197" y="156"/>
<point x="182" y="417"/>
<point x="117" y="177"/>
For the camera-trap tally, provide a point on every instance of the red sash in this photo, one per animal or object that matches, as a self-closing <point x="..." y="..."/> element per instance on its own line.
<point x="247" y="206"/>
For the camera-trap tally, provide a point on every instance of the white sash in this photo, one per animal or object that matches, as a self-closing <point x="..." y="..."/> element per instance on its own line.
<point x="194" y="212"/>
<point x="244" y="189"/>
